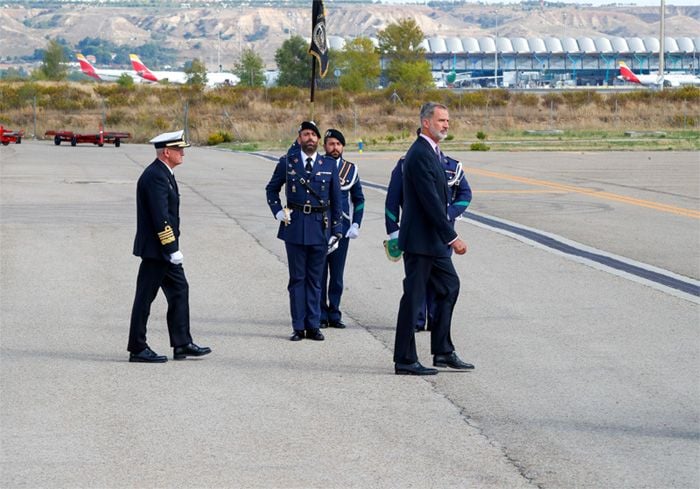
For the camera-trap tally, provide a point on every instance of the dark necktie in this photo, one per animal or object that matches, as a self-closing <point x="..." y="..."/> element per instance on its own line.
<point x="174" y="182"/>
<point x="309" y="167"/>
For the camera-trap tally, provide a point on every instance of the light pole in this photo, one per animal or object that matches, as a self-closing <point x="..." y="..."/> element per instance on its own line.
<point x="495" y="53"/>
<point x="662" y="47"/>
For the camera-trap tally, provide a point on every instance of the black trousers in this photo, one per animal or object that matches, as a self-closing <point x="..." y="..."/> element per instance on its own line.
<point x="154" y="275"/>
<point x="439" y="274"/>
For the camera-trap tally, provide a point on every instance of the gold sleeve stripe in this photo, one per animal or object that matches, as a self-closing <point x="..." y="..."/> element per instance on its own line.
<point x="166" y="236"/>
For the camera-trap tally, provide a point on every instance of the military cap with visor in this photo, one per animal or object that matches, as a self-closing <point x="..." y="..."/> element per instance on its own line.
<point x="174" y="139"/>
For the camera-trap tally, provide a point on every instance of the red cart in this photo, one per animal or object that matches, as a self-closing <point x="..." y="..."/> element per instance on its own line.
<point x="101" y="138"/>
<point x="7" y="137"/>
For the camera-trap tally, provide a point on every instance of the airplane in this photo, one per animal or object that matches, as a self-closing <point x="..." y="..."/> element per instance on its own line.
<point x="454" y="79"/>
<point x="213" y="79"/>
<point x="101" y="74"/>
<point x="657" y="79"/>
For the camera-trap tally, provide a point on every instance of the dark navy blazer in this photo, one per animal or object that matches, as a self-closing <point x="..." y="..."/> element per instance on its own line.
<point x="157" y="213"/>
<point x="425" y="226"/>
<point x="460" y="193"/>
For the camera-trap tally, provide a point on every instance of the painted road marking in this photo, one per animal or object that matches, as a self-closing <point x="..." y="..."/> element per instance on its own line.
<point x="664" y="280"/>
<point x="680" y="211"/>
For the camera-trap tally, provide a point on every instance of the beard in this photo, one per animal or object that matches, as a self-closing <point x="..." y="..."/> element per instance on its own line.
<point x="437" y="133"/>
<point x="309" y="147"/>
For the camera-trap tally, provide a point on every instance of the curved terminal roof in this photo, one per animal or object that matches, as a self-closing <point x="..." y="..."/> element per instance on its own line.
<point x="549" y="45"/>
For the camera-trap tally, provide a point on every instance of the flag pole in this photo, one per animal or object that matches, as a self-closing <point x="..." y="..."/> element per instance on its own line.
<point x="313" y="86"/>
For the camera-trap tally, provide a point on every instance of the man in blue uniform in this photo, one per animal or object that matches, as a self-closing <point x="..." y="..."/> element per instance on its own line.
<point x="460" y="198"/>
<point x="351" y="192"/>
<point x="157" y="243"/>
<point x="309" y="224"/>
<point x="426" y="239"/>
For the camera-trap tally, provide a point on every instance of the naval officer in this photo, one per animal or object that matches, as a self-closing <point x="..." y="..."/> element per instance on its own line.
<point x="351" y="192"/>
<point x="157" y="243"/>
<point x="309" y="224"/>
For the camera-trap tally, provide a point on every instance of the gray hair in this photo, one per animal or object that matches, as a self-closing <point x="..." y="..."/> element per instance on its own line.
<point x="428" y="109"/>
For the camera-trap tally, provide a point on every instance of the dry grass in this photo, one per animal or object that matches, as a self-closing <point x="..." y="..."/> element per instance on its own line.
<point x="269" y="117"/>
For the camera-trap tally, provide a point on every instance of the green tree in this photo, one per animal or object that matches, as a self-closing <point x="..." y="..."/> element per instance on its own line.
<point x="250" y="69"/>
<point x="196" y="73"/>
<point x="53" y="66"/>
<point x="125" y="80"/>
<point x="359" y="65"/>
<point x="293" y="63"/>
<point x="400" y="45"/>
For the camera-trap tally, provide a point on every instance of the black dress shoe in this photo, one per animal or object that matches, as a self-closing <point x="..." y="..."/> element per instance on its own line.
<point x="413" y="369"/>
<point x="297" y="336"/>
<point x="324" y="324"/>
<point x="451" y="360"/>
<point x="315" y="334"/>
<point x="191" y="350"/>
<point x="147" y="356"/>
<point x="337" y="324"/>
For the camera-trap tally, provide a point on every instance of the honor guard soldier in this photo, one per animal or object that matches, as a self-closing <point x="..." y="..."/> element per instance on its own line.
<point x="351" y="192"/>
<point x="157" y="243"/>
<point x="309" y="224"/>
<point x="460" y="198"/>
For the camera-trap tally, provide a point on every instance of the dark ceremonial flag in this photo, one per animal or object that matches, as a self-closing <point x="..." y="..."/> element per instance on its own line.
<point x="319" y="42"/>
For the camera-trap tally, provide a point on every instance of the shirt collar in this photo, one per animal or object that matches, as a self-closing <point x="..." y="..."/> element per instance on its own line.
<point x="166" y="166"/>
<point x="433" y="144"/>
<point x="313" y="157"/>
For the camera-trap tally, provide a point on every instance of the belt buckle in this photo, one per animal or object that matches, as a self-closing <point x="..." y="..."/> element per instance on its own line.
<point x="307" y="209"/>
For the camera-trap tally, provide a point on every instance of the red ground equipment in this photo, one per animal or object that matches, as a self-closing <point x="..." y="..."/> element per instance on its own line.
<point x="7" y="137"/>
<point x="101" y="138"/>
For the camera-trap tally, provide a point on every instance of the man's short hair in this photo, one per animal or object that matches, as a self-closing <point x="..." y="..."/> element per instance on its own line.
<point x="428" y="109"/>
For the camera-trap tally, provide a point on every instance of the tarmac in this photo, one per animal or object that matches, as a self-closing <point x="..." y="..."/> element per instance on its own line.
<point x="583" y="378"/>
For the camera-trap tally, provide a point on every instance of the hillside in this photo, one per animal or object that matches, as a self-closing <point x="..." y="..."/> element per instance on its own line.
<point x="207" y="33"/>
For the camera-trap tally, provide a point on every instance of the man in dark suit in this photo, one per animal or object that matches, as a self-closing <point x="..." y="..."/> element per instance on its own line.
<point x="351" y="192"/>
<point x="460" y="198"/>
<point x="309" y="224"/>
<point x="157" y="243"/>
<point x="426" y="238"/>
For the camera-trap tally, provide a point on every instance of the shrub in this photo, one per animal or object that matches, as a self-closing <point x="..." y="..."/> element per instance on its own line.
<point x="219" y="137"/>
<point x="526" y="99"/>
<point x="479" y="147"/>
<point x="481" y="136"/>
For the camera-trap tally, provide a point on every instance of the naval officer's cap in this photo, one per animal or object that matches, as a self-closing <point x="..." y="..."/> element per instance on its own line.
<point x="311" y="125"/>
<point x="174" y="139"/>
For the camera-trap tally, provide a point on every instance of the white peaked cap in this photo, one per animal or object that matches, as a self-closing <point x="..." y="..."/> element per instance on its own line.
<point x="170" y="139"/>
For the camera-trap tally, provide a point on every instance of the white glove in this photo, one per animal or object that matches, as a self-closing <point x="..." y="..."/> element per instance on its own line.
<point x="354" y="231"/>
<point x="176" y="258"/>
<point x="333" y="243"/>
<point x="284" y="216"/>
<point x="394" y="235"/>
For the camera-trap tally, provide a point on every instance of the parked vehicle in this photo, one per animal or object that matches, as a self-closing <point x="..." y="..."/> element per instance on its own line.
<point x="100" y="139"/>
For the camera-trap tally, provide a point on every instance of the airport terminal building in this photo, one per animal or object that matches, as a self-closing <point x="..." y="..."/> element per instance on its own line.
<point x="550" y="61"/>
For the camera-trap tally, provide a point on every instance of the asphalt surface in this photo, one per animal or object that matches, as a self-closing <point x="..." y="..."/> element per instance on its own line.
<point x="584" y="378"/>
